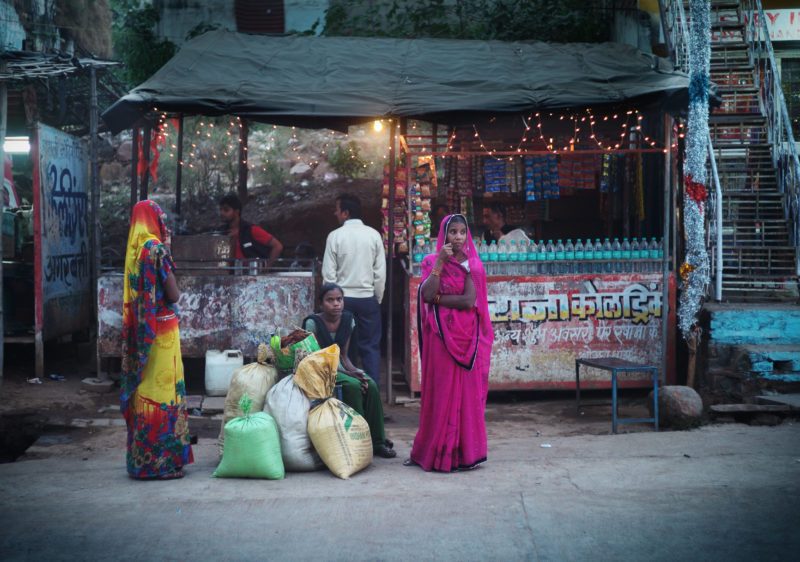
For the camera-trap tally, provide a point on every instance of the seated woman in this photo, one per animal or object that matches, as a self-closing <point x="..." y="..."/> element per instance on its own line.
<point x="332" y="325"/>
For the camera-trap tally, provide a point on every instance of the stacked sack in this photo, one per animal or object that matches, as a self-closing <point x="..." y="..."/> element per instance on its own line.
<point x="252" y="446"/>
<point x="253" y="379"/>
<point x="339" y="434"/>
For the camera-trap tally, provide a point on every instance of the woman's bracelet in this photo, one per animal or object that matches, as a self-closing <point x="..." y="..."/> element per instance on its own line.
<point x="436" y="272"/>
<point x="436" y="298"/>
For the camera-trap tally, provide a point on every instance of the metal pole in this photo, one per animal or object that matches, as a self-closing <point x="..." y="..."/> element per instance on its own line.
<point x="146" y="156"/>
<point x="95" y="187"/>
<point x="179" y="170"/>
<point x="241" y="186"/>
<point x="3" y="124"/>
<point x="668" y="211"/>
<point x="389" y="260"/>
<point x="134" y="167"/>
<point x="718" y="215"/>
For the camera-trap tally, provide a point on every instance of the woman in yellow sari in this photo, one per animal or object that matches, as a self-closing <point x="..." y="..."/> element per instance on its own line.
<point x="153" y="391"/>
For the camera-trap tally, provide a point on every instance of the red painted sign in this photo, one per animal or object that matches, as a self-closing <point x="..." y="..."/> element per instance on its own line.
<point x="543" y="323"/>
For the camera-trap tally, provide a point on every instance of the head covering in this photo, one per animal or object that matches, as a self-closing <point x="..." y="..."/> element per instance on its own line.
<point x="478" y="273"/>
<point x="146" y="260"/>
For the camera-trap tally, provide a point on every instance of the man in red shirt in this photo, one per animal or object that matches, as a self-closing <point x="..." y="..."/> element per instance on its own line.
<point x="251" y="241"/>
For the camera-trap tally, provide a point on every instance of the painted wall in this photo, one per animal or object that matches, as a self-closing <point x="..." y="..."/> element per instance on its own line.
<point x="543" y="323"/>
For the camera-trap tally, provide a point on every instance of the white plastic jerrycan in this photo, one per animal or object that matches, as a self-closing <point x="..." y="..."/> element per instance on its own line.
<point x="220" y="366"/>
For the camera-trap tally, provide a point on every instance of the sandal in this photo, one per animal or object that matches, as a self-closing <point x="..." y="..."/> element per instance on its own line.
<point x="174" y="475"/>
<point x="410" y="462"/>
<point x="389" y="442"/>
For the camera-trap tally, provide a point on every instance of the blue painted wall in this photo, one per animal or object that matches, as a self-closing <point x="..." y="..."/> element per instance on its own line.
<point x="760" y="327"/>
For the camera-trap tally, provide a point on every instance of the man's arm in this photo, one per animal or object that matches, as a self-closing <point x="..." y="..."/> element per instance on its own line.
<point x="266" y="239"/>
<point x="379" y="269"/>
<point x="329" y="261"/>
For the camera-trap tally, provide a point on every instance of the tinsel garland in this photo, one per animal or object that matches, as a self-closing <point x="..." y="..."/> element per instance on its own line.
<point x="695" y="269"/>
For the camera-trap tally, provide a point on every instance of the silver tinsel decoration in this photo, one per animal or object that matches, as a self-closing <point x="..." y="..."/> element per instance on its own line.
<point x="696" y="266"/>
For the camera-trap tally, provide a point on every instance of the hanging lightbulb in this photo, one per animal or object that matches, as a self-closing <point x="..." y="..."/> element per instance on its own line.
<point x="377" y="125"/>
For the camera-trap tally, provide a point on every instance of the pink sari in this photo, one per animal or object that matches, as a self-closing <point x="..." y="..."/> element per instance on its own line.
<point x="455" y="349"/>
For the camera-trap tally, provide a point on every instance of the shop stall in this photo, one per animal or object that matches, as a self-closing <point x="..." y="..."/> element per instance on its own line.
<point x="542" y="321"/>
<point x="582" y="272"/>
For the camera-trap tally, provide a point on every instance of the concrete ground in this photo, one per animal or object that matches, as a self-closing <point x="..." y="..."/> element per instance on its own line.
<point x="549" y="491"/>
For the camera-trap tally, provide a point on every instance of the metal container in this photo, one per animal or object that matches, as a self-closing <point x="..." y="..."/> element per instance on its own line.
<point x="203" y="254"/>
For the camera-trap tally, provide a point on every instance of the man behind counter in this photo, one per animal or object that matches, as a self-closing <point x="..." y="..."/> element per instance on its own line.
<point x="494" y="218"/>
<point x="251" y="241"/>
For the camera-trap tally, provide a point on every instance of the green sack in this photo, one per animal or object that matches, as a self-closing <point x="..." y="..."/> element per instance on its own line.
<point x="252" y="447"/>
<point x="284" y="356"/>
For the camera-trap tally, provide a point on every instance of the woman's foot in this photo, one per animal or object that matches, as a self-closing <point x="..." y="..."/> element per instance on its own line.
<point x="410" y="462"/>
<point x="389" y="443"/>
<point x="174" y="475"/>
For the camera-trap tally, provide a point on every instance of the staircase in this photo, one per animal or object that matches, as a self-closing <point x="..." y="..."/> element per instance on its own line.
<point x="751" y="327"/>
<point x="759" y="261"/>
<point x="757" y="164"/>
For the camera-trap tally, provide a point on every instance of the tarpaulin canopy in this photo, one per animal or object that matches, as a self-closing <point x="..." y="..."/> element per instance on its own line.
<point x="335" y="81"/>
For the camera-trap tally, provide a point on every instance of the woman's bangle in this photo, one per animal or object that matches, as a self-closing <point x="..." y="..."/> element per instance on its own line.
<point x="436" y="272"/>
<point x="436" y="298"/>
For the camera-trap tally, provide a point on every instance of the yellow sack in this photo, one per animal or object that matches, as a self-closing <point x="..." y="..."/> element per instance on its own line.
<point x="253" y="379"/>
<point x="340" y="434"/>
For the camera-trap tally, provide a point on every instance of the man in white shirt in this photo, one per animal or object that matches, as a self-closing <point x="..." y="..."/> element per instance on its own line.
<point x="355" y="260"/>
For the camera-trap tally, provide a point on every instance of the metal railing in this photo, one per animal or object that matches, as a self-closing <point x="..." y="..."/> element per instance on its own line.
<point x="772" y="104"/>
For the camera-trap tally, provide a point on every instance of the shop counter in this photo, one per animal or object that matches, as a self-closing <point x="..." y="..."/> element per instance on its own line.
<point x="543" y="323"/>
<point x="217" y="311"/>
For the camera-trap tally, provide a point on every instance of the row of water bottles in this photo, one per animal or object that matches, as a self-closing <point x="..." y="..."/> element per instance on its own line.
<point x="530" y="257"/>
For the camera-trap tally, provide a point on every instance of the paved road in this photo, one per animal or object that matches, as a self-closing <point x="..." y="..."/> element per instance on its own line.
<point x="723" y="492"/>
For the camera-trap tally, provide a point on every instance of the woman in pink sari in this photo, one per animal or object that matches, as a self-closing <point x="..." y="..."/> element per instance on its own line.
<point x="455" y="346"/>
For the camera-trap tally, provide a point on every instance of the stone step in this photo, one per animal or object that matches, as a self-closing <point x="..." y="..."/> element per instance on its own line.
<point x="791" y="400"/>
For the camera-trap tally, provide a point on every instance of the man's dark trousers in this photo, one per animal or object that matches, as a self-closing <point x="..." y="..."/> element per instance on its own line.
<point x="368" y="323"/>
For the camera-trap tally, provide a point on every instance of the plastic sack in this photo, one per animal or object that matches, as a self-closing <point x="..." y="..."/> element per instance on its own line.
<point x="254" y="379"/>
<point x="252" y="447"/>
<point x="289" y="406"/>
<point x="284" y="348"/>
<point x="340" y="434"/>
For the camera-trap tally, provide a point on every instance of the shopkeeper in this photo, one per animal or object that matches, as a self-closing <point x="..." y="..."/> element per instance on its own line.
<point x="251" y="241"/>
<point x="494" y="219"/>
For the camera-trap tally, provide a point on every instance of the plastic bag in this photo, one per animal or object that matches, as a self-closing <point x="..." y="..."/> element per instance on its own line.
<point x="285" y="347"/>
<point x="252" y="447"/>
<point x="254" y="379"/>
<point x="340" y="434"/>
<point x="288" y="405"/>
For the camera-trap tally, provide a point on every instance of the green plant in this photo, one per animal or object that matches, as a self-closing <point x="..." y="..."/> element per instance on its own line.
<point x="346" y="159"/>
<point x="135" y="42"/>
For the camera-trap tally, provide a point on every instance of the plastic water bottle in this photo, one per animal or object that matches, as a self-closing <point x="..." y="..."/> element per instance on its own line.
<point x="608" y="265"/>
<point x="616" y="255"/>
<point x="636" y="254"/>
<point x="550" y="257"/>
<point x="502" y="258"/>
<point x="661" y="249"/>
<point x="483" y="252"/>
<point x="492" y="258"/>
<point x="569" y="256"/>
<point x="560" y="255"/>
<point x="580" y="255"/>
<point x="626" y="256"/>
<point x="533" y="256"/>
<point x="522" y="260"/>
<point x="513" y="258"/>
<point x="417" y="255"/>
<point x="597" y="266"/>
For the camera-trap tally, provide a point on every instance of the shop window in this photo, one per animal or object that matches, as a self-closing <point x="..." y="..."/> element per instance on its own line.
<point x="260" y="16"/>
<point x="790" y="81"/>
